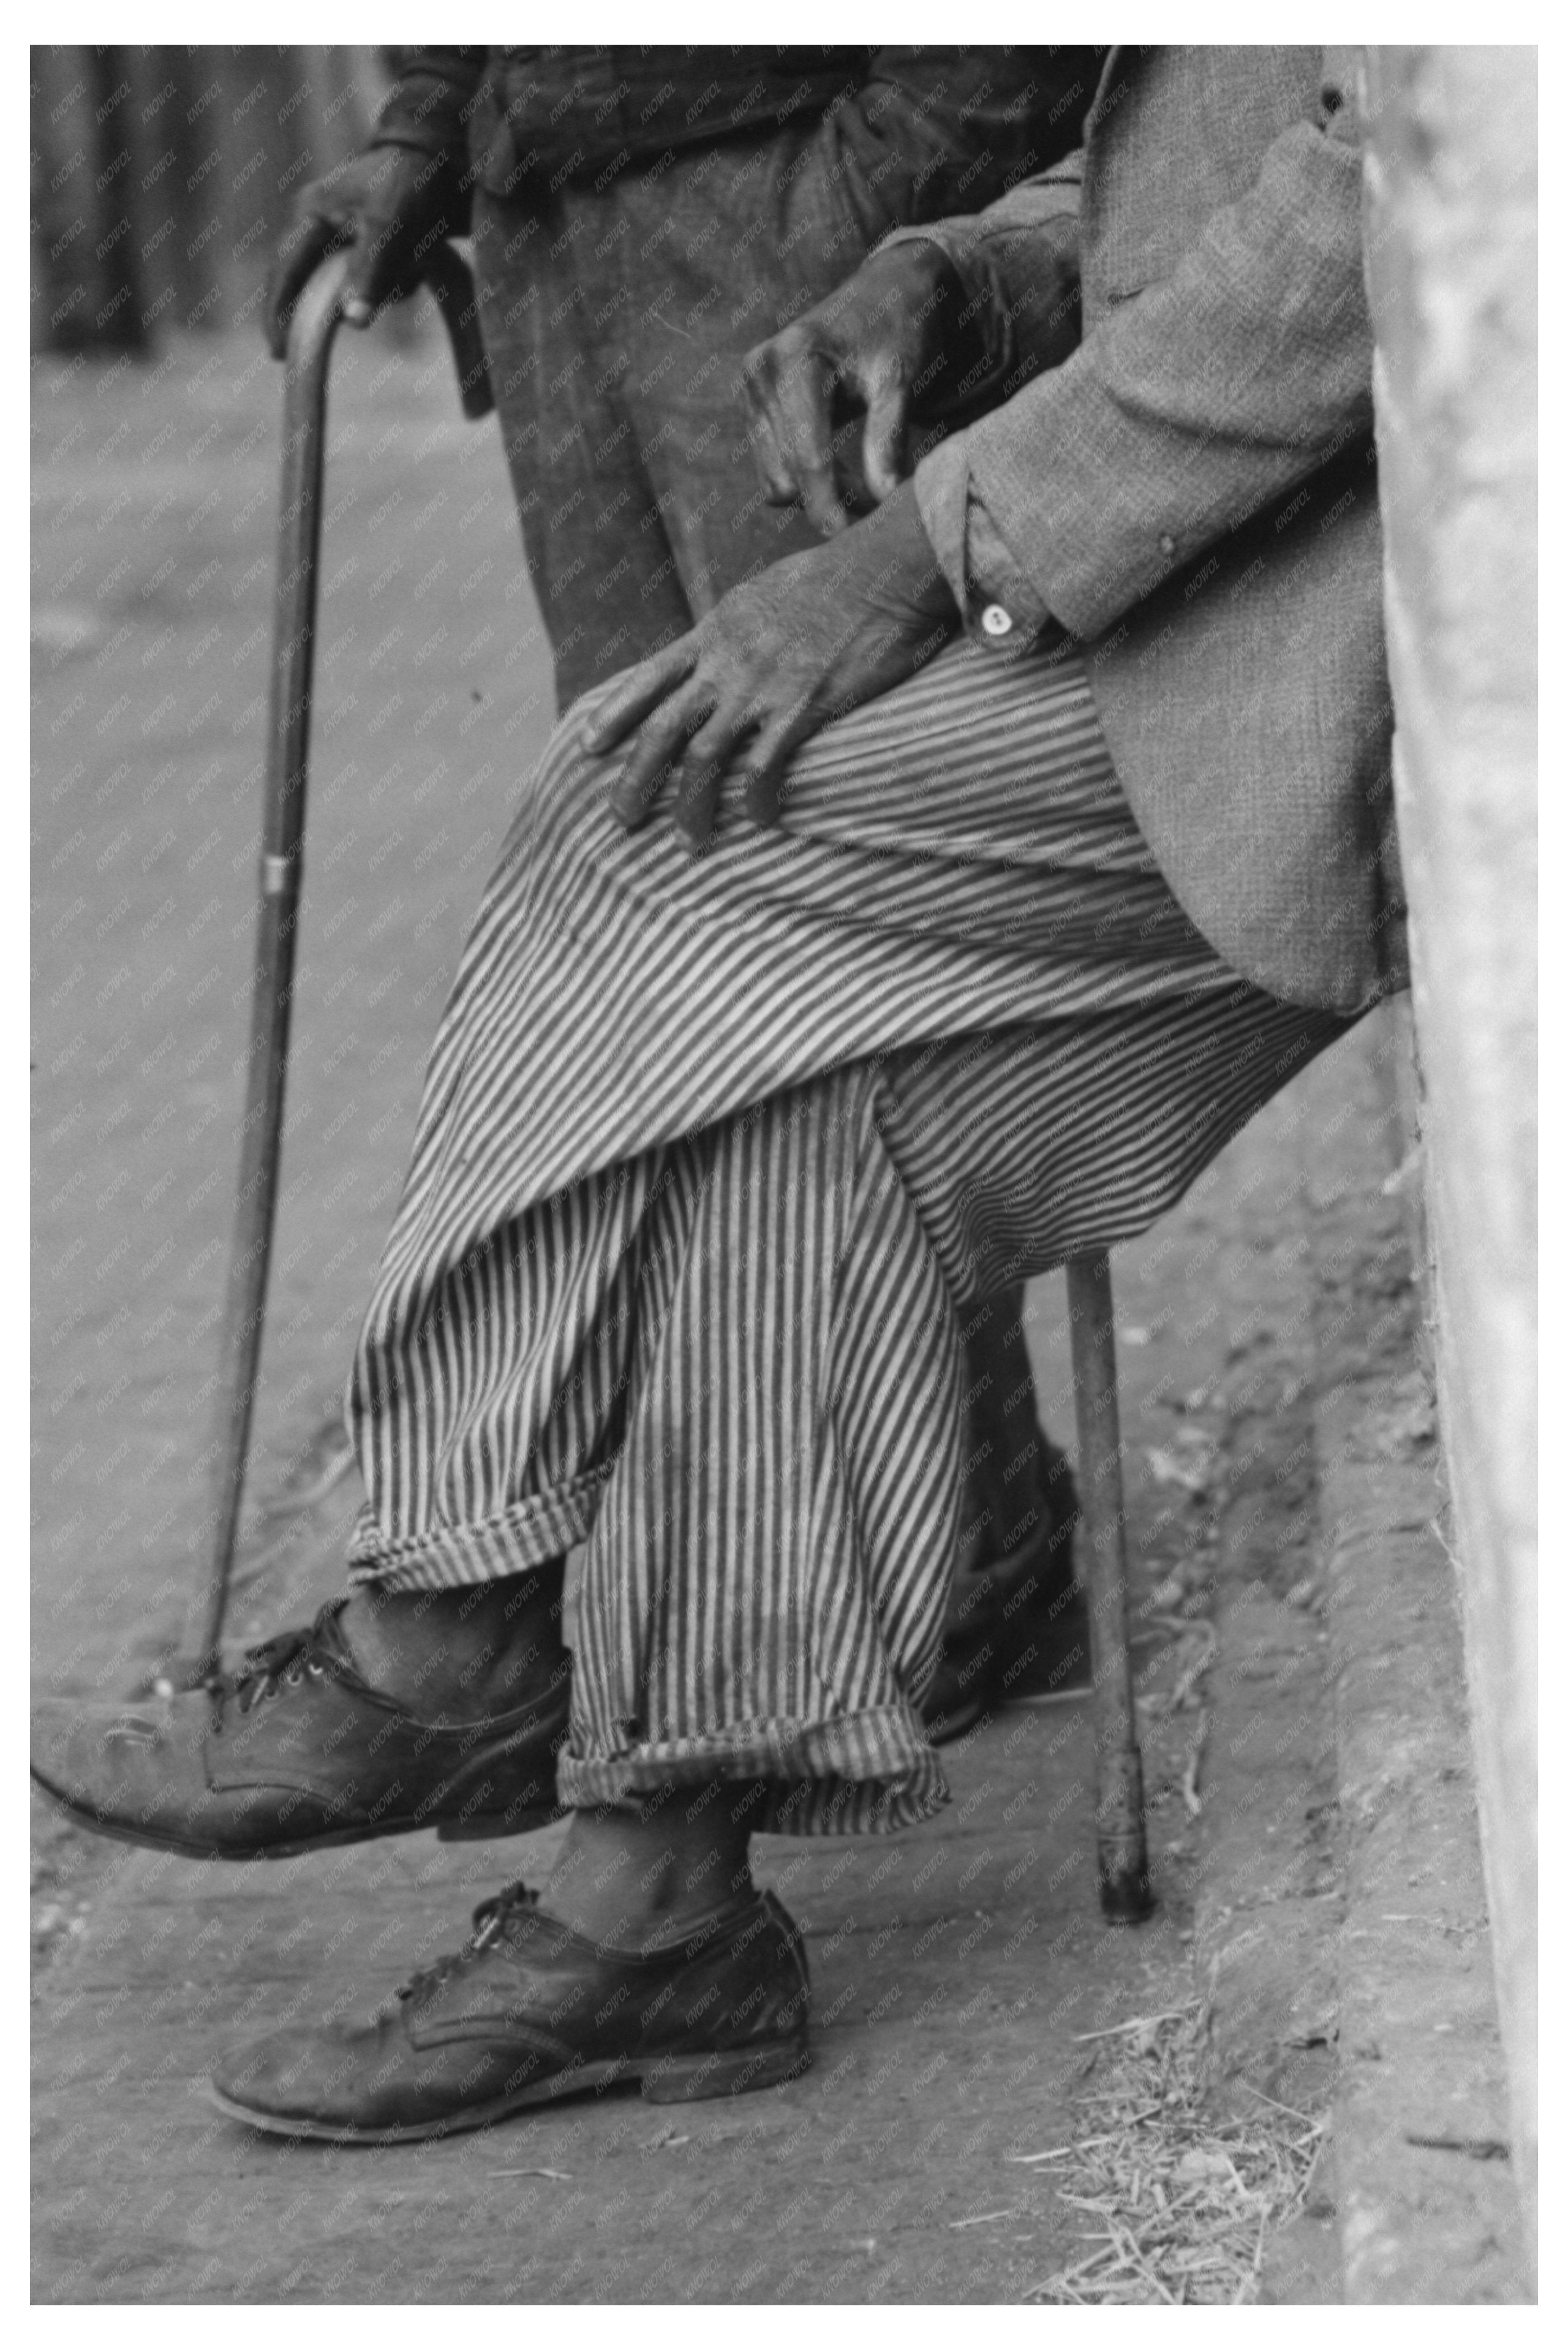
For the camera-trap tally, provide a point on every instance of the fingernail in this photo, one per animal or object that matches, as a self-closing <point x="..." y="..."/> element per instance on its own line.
<point x="358" y="313"/>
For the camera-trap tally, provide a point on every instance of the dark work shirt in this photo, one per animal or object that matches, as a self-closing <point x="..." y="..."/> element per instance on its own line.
<point x="918" y="132"/>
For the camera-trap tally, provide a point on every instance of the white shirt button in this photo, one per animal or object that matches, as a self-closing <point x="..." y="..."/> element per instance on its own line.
<point x="996" y="620"/>
<point x="1167" y="543"/>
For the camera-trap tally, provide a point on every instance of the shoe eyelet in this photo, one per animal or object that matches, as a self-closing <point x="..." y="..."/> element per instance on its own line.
<point x="316" y="1672"/>
<point x="293" y="1679"/>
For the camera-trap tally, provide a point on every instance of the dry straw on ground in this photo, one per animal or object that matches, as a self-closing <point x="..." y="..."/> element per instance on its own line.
<point x="1176" y="2204"/>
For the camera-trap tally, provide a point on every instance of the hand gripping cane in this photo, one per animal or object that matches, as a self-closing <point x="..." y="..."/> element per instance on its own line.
<point x="310" y="335"/>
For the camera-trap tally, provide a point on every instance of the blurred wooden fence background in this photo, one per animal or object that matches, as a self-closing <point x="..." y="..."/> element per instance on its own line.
<point x="160" y="177"/>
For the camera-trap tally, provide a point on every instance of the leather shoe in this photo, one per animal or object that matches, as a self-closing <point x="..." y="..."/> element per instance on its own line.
<point x="529" y="2011"/>
<point x="295" y="1750"/>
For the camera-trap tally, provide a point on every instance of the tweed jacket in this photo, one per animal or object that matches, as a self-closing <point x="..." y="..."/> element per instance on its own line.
<point x="1193" y="496"/>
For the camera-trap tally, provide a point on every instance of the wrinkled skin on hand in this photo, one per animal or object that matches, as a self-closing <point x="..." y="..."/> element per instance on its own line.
<point x="891" y="335"/>
<point x="714" y="718"/>
<point x="385" y="204"/>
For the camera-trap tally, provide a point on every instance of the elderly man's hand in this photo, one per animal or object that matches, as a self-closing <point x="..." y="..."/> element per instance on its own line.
<point x="385" y="204"/>
<point x="807" y="641"/>
<point x="890" y="334"/>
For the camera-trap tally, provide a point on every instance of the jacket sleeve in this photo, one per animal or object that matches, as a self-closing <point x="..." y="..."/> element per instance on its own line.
<point x="935" y="130"/>
<point x="1190" y="407"/>
<point x="1017" y="263"/>
<point x="428" y="110"/>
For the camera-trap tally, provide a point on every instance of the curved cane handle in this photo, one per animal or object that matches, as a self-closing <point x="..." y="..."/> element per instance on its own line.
<point x="319" y="309"/>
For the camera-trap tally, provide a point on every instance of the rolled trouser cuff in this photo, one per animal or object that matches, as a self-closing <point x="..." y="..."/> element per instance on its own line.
<point x="530" y="1533"/>
<point x="859" y="1774"/>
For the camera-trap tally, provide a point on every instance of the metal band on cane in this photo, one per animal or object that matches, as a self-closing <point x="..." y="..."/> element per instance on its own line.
<point x="279" y="876"/>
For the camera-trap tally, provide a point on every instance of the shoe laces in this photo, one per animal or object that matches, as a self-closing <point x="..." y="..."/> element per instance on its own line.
<point x="282" y="1662"/>
<point x="490" y="1922"/>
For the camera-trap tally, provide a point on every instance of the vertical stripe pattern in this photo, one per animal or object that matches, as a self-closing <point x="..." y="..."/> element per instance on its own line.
<point x="711" y="1149"/>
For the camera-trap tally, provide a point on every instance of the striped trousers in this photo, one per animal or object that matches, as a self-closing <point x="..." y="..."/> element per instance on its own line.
<point x="713" y="1154"/>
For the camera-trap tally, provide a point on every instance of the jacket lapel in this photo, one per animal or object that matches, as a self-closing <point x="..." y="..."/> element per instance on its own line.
<point x="1116" y="58"/>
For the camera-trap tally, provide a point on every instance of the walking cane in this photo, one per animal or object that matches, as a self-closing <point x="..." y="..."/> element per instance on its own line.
<point x="1121" y="1843"/>
<point x="310" y="335"/>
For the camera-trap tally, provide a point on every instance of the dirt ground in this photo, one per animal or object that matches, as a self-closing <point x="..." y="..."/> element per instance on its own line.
<point x="962" y="1974"/>
<point x="155" y="499"/>
<point x="965" y="1988"/>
